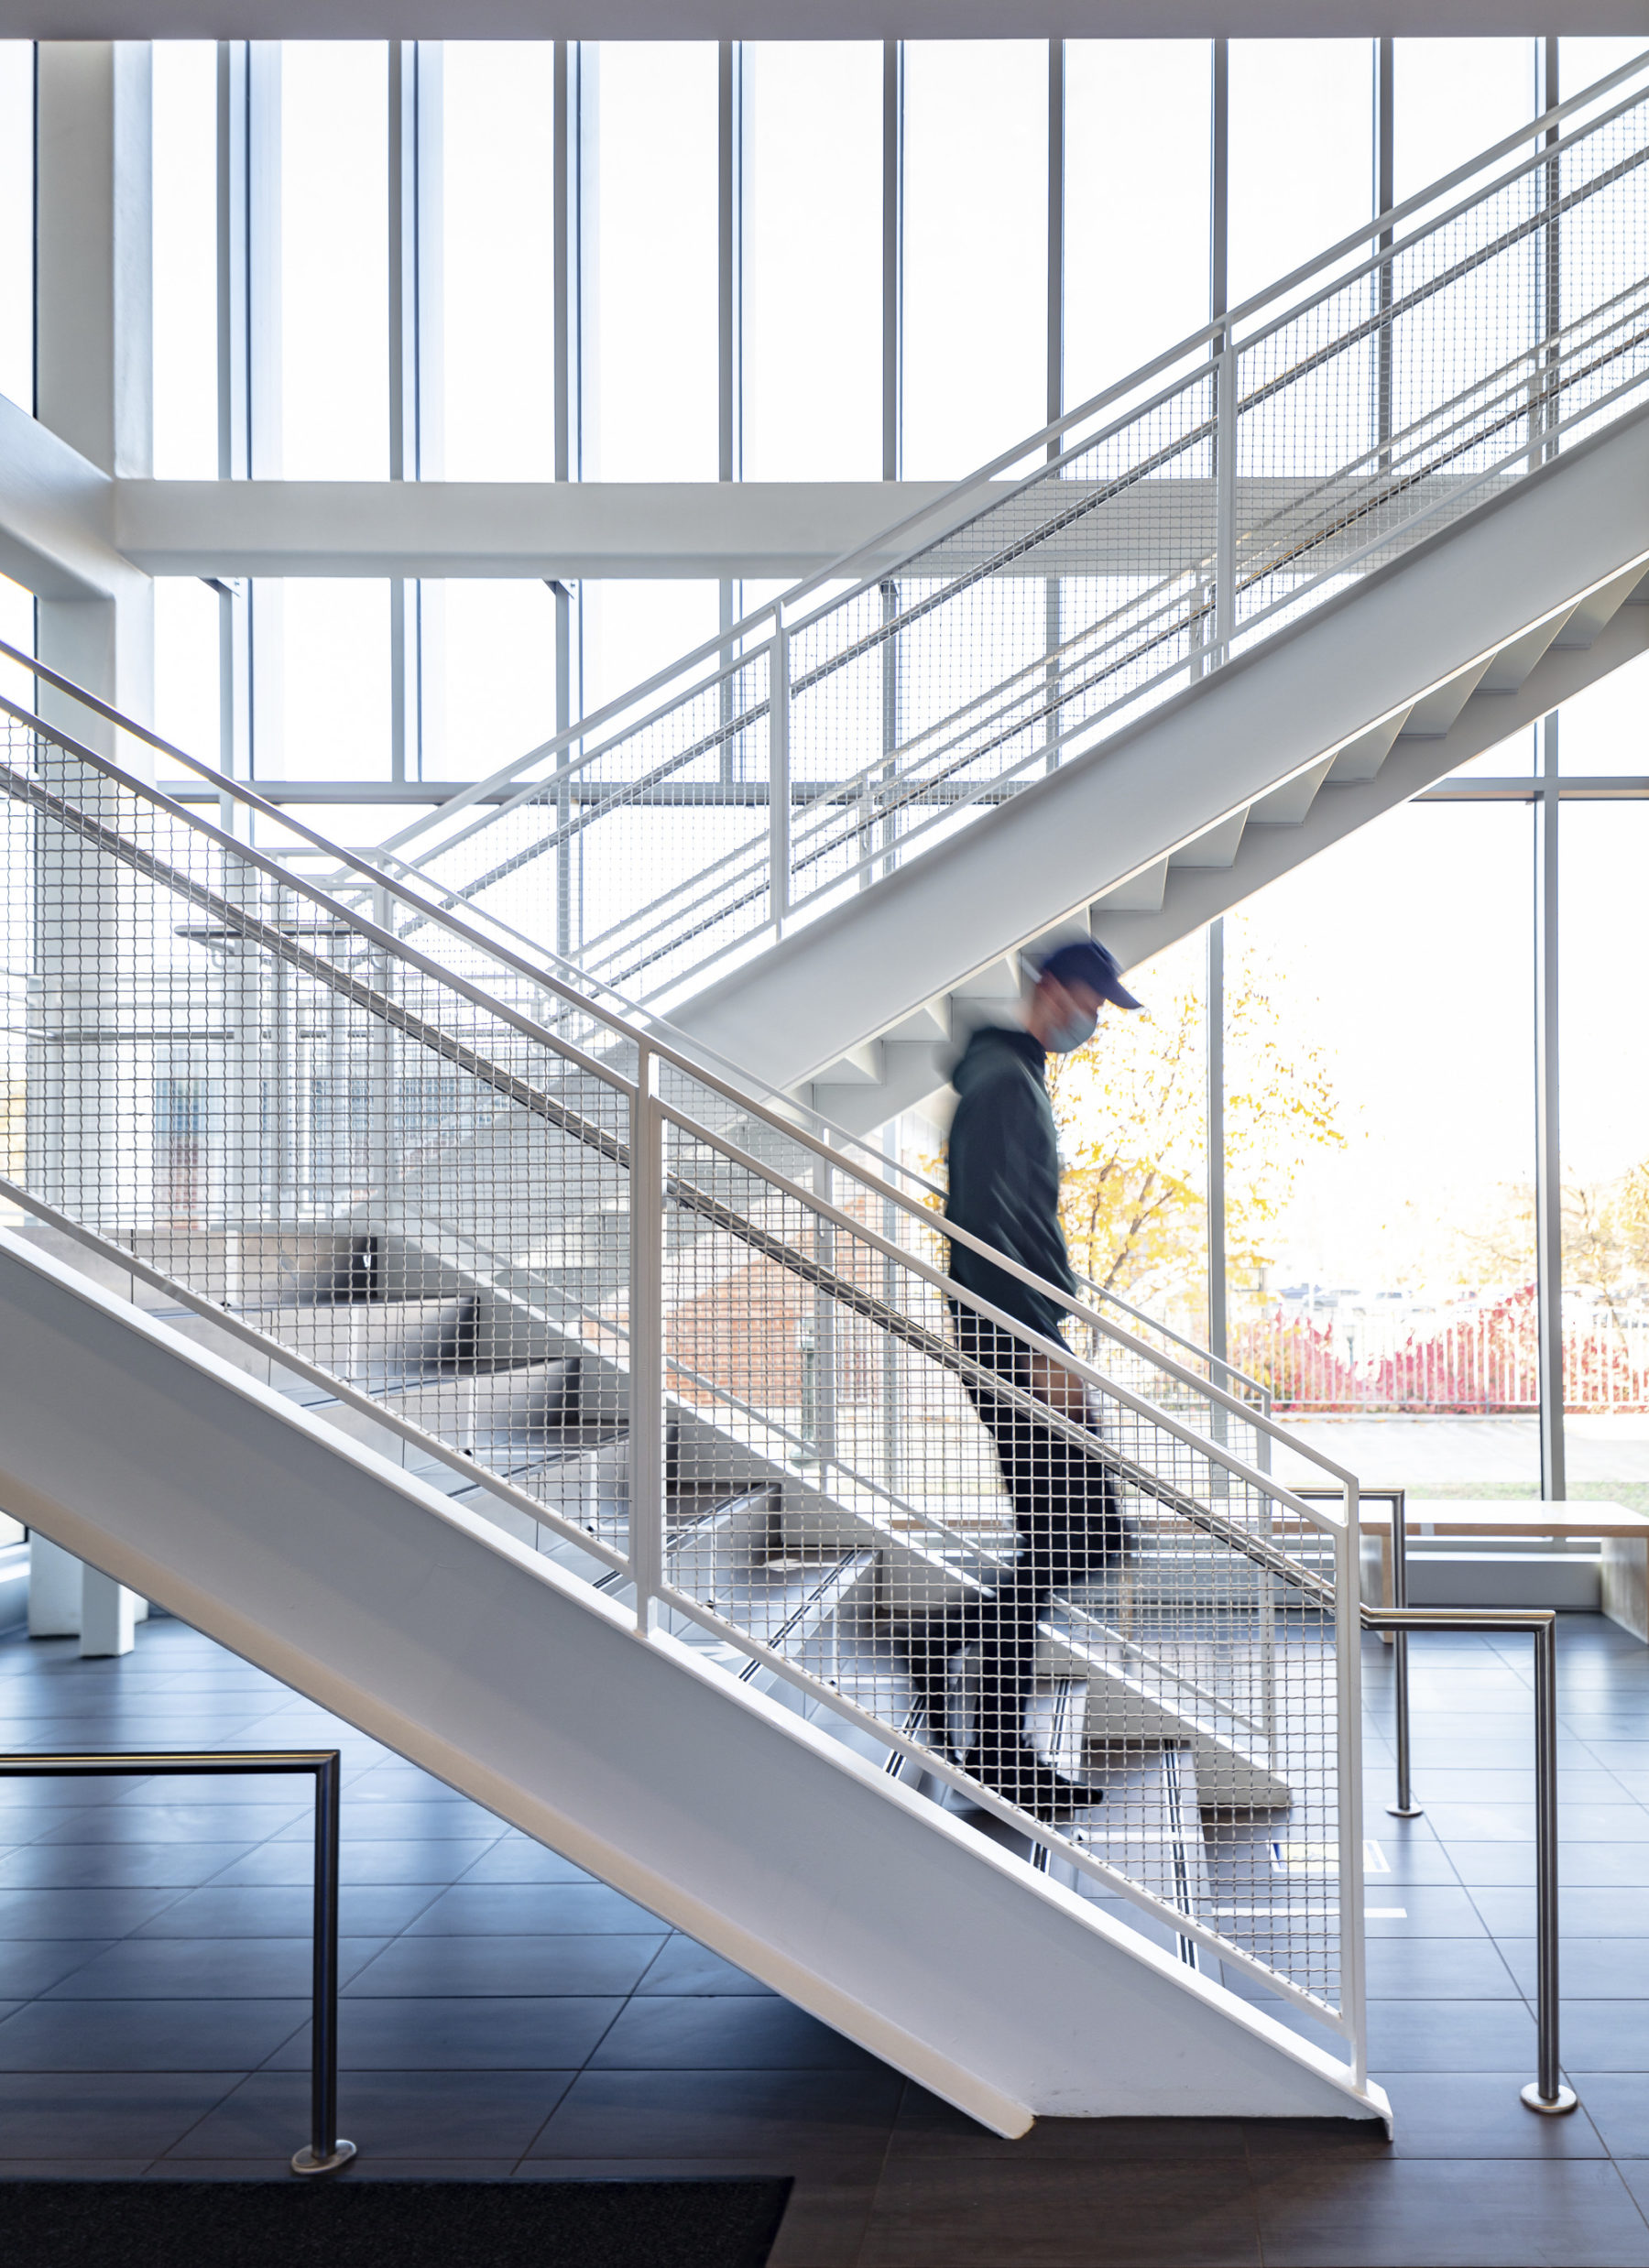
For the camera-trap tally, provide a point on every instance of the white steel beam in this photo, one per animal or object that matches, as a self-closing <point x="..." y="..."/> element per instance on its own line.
<point x="570" y="529"/>
<point x="801" y="20"/>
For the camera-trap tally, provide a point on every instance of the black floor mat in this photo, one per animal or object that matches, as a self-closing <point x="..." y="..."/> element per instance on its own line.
<point x="390" y="2224"/>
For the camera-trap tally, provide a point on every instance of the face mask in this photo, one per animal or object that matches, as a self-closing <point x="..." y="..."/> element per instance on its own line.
<point x="1076" y="1031"/>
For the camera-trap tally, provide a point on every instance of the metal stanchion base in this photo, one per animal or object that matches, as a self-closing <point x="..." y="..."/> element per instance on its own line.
<point x="306" y="2162"/>
<point x="1405" y="1811"/>
<point x="1563" y="2100"/>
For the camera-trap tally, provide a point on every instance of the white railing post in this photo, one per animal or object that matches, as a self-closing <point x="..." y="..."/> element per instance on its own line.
<point x="1224" y="501"/>
<point x="778" y="776"/>
<point x="646" y="1537"/>
<point x="1348" y="1635"/>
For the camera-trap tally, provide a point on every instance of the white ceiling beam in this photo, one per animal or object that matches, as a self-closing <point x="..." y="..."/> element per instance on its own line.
<point x="802" y="20"/>
<point x="56" y="511"/>
<point x="572" y="530"/>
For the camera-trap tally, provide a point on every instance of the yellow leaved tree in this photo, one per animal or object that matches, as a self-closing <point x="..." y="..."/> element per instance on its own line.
<point x="1132" y="1109"/>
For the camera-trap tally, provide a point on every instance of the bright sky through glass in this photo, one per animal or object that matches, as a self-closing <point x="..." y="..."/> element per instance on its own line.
<point x="335" y="264"/>
<point x="976" y="258"/>
<point x="497" y="258"/>
<point x="185" y="270"/>
<point x="813" y="260"/>
<point x="1136" y="250"/>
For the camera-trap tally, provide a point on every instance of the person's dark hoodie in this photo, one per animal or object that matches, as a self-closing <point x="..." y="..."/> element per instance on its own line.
<point x="1004" y="1175"/>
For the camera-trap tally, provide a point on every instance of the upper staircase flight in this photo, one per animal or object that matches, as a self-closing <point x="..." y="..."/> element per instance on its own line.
<point x="1293" y="570"/>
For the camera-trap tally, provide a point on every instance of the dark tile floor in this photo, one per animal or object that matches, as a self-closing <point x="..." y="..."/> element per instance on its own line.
<point x="504" y="2015"/>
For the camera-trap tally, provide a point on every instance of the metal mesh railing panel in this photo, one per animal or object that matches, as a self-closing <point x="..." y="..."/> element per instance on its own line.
<point x="393" y="1181"/>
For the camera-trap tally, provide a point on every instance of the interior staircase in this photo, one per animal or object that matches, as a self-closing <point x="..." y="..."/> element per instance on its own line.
<point x="524" y="1404"/>
<point x="1305" y="565"/>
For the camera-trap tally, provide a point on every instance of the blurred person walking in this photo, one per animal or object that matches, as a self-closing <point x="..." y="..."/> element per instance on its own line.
<point x="1004" y="1190"/>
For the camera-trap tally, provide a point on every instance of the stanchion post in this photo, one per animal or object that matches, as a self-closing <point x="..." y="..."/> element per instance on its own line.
<point x="1546" y="2093"/>
<point x="325" y="2151"/>
<point x="1405" y="1807"/>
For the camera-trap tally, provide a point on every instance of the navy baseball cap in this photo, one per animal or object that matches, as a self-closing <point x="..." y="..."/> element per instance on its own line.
<point x="1086" y="962"/>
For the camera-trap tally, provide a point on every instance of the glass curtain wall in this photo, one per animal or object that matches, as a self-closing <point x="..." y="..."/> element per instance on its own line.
<point x="826" y="261"/>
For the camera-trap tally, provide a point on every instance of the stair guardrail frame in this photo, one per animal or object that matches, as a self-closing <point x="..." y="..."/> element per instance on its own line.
<point x="1337" y="1596"/>
<point x="1546" y="2093"/>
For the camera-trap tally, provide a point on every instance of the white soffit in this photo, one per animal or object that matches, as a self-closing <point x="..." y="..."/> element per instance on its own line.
<point x="804" y="19"/>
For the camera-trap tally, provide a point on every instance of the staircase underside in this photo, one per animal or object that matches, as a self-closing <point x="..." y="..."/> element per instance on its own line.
<point x="1374" y="695"/>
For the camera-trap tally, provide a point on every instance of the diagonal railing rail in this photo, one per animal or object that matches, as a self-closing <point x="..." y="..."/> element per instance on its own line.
<point x="1181" y="518"/>
<point x="681" y="1342"/>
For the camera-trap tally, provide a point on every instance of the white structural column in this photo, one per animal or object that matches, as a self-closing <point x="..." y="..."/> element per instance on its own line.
<point x="1052" y="611"/>
<point x="729" y="270"/>
<point x="94" y="349"/>
<point x="892" y="342"/>
<point x="568" y="128"/>
<point x="1213" y="1010"/>
<point x="1548" y="1155"/>
<point x="89" y="1107"/>
<point x="416" y="397"/>
<point x="250" y="414"/>
<point x="1214" y="1006"/>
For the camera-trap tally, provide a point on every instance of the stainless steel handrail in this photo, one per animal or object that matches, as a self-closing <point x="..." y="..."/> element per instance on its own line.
<point x="1405" y="1807"/>
<point x="1547" y="2092"/>
<point x="326" y="2150"/>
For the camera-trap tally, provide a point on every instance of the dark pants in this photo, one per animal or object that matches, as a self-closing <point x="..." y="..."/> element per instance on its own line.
<point x="1067" y="1517"/>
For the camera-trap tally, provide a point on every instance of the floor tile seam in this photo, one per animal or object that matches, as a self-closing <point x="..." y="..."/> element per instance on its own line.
<point x="883" y="2158"/>
<point x="595" y="2049"/>
<point x="243" y="2079"/>
<point x="1252" y="2187"/>
<point x="480" y="1859"/>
